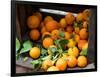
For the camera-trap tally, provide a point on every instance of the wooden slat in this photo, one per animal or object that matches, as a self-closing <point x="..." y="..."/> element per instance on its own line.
<point x="18" y="28"/>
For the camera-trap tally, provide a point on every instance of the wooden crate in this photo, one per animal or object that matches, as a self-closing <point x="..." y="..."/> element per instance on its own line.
<point x="23" y="10"/>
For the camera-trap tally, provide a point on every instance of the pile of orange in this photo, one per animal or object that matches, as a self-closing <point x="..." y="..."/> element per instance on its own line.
<point x="75" y="29"/>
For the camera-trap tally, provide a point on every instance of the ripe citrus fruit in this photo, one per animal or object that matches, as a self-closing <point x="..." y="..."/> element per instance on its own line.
<point x="43" y="29"/>
<point x="33" y="22"/>
<point x="48" y="18"/>
<point x="85" y="46"/>
<point x="67" y="35"/>
<point x="71" y="43"/>
<point x="34" y="52"/>
<point x="69" y="18"/>
<point x="81" y="43"/>
<point x="77" y="38"/>
<point x="63" y="23"/>
<point x="61" y="64"/>
<point x="51" y="25"/>
<point x="53" y="68"/>
<point x="47" y="42"/>
<point x="73" y="51"/>
<point x="79" y="17"/>
<point x="69" y="29"/>
<point x="34" y="34"/>
<point x="55" y="34"/>
<point x="86" y="14"/>
<point x="77" y="30"/>
<point x="64" y="56"/>
<point x="71" y="61"/>
<point x="82" y="61"/>
<point x="83" y="33"/>
<point x="46" y="64"/>
<point x="38" y="14"/>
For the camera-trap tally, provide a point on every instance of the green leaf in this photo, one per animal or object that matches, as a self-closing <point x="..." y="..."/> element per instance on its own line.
<point x="46" y="57"/>
<point x="63" y="41"/>
<point x="53" y="49"/>
<point x="57" y="44"/>
<point x="17" y="45"/>
<point x="27" y="45"/>
<point x="84" y="52"/>
<point x="36" y="63"/>
<point x="43" y="52"/>
<point x="55" y="57"/>
<point x="62" y="34"/>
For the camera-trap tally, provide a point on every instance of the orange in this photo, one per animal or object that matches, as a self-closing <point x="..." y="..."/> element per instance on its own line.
<point x="81" y="43"/>
<point x="65" y="56"/>
<point x="33" y="22"/>
<point x="85" y="46"/>
<point x="63" y="23"/>
<point x="82" y="61"/>
<point x="69" y="29"/>
<point x="43" y="30"/>
<point x="61" y="64"/>
<point x="51" y="25"/>
<point x="47" y="42"/>
<point x="48" y="18"/>
<point x="34" y="34"/>
<point x="67" y="35"/>
<point x="77" y="37"/>
<point x="71" y="61"/>
<point x="71" y="43"/>
<point x="77" y="30"/>
<point x="38" y="14"/>
<point x="69" y="18"/>
<point x="34" y="52"/>
<point x="86" y="14"/>
<point x="53" y="68"/>
<point x="73" y="51"/>
<point x="83" y="34"/>
<point x="79" y="17"/>
<point x="55" y="34"/>
<point x="46" y="64"/>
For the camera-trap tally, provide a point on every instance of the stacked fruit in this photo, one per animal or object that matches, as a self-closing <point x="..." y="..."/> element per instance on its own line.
<point x="65" y="41"/>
